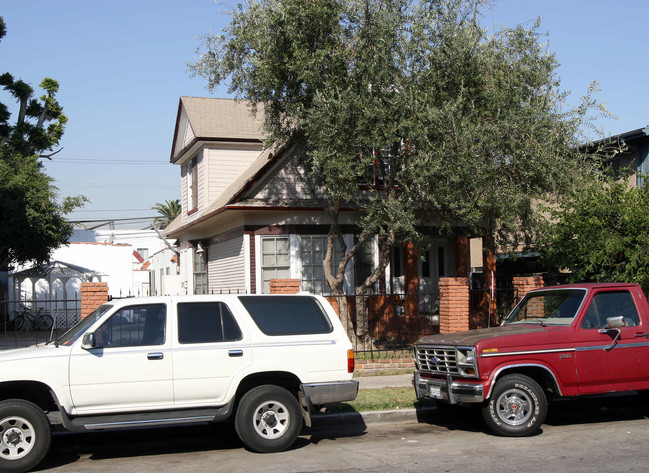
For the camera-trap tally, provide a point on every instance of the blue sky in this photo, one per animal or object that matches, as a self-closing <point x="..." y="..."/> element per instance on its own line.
<point x="122" y="67"/>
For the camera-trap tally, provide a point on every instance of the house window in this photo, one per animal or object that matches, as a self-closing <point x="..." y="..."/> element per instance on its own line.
<point x="425" y="265"/>
<point x="313" y="252"/>
<point x="200" y="271"/>
<point x="143" y="252"/>
<point x="397" y="261"/>
<point x="275" y="260"/>
<point x="376" y="172"/>
<point x="192" y="169"/>
<point x="441" y="262"/>
<point x="364" y="262"/>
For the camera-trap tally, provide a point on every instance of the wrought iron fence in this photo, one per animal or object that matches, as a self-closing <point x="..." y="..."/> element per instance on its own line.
<point x="383" y="323"/>
<point x="25" y="323"/>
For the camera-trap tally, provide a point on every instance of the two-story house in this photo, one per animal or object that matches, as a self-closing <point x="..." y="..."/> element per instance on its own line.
<point x="249" y="214"/>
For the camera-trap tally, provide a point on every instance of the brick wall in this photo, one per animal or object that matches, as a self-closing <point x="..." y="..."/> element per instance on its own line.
<point x="93" y="294"/>
<point x="372" y="366"/>
<point x="284" y="286"/>
<point x="524" y="284"/>
<point x="453" y="305"/>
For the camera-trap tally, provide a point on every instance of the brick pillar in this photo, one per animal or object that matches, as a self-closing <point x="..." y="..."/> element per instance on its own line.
<point x="524" y="284"/>
<point x="93" y="294"/>
<point x="453" y="304"/>
<point x="284" y="286"/>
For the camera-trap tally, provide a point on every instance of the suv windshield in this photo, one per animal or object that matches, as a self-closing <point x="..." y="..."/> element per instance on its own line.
<point x="552" y="307"/>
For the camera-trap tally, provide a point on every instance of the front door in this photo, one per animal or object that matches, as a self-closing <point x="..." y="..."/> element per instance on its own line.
<point x="130" y="367"/>
<point x="603" y="363"/>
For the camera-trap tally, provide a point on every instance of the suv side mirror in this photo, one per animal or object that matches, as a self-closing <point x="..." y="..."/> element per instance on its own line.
<point x="88" y="341"/>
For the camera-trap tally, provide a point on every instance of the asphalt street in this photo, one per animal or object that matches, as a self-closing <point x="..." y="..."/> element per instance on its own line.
<point x="587" y="435"/>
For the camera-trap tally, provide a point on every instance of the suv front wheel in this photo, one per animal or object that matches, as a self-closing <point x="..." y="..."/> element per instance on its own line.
<point x="268" y="419"/>
<point x="24" y="435"/>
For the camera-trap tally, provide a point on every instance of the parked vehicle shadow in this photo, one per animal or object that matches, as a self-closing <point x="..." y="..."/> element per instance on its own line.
<point x="67" y="448"/>
<point x="596" y="409"/>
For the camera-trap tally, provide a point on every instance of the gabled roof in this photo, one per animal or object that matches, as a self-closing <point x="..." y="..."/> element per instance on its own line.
<point x="213" y="119"/>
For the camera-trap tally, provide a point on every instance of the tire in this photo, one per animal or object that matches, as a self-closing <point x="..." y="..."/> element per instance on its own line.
<point x="268" y="419"/>
<point x="25" y="436"/>
<point x="44" y="322"/>
<point x="517" y="406"/>
<point x="20" y="321"/>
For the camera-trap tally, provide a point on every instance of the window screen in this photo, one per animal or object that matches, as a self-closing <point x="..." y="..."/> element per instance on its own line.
<point x="206" y="322"/>
<point x="287" y="315"/>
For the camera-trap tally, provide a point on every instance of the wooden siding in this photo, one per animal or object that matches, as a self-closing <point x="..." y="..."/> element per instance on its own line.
<point x="226" y="267"/>
<point x="225" y="164"/>
<point x="286" y="184"/>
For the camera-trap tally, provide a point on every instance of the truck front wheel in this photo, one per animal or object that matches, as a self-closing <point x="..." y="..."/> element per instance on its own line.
<point x="268" y="419"/>
<point x="517" y="406"/>
<point x="24" y="435"/>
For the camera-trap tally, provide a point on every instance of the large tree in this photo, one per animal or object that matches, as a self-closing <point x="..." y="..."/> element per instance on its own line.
<point x="456" y="125"/>
<point x="33" y="219"/>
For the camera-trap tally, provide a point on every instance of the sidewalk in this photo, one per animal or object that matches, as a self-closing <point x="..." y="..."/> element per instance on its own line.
<point x="380" y="382"/>
<point x="359" y="420"/>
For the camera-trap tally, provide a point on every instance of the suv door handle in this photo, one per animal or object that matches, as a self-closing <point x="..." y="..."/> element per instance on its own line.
<point x="235" y="353"/>
<point x="155" y="356"/>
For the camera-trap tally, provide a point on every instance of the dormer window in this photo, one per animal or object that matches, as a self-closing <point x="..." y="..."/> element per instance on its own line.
<point x="193" y="183"/>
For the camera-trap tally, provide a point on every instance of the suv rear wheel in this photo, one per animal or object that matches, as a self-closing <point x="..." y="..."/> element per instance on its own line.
<point x="268" y="419"/>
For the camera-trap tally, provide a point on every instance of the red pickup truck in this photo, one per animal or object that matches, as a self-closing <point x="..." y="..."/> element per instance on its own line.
<point x="569" y="340"/>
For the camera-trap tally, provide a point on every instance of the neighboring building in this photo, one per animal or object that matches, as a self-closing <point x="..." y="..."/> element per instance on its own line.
<point x="165" y="274"/>
<point x="123" y="257"/>
<point x="631" y="152"/>
<point x="250" y="215"/>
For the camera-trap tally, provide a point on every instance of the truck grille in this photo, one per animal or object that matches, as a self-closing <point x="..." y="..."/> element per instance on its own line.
<point x="438" y="360"/>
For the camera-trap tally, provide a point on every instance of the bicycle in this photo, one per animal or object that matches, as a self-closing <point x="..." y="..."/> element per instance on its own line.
<point x="40" y="321"/>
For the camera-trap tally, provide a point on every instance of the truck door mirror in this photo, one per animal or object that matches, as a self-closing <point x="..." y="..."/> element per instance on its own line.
<point x="615" y="322"/>
<point x="88" y="341"/>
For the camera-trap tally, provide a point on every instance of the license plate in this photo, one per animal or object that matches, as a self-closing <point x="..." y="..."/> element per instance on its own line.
<point x="435" y="392"/>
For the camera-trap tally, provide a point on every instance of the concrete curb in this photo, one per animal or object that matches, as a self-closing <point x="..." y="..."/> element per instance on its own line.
<point x="361" y="419"/>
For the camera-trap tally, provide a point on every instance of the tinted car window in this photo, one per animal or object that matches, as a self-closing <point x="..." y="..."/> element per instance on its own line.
<point x="206" y="322"/>
<point x="287" y="315"/>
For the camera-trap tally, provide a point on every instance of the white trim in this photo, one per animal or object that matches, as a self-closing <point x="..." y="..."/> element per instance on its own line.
<point x="246" y="263"/>
<point x="258" y="284"/>
<point x="295" y="258"/>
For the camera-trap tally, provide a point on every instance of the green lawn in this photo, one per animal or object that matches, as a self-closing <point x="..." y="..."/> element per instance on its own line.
<point x="379" y="400"/>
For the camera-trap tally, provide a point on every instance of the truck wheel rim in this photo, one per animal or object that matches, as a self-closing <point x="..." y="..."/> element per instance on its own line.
<point x="514" y="407"/>
<point x="17" y="438"/>
<point x="271" y="419"/>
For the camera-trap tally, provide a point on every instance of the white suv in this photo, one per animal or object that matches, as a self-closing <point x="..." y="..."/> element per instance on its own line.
<point x="264" y="361"/>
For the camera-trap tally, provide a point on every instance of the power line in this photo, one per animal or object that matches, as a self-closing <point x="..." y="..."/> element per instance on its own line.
<point x="106" y="161"/>
<point x="131" y="219"/>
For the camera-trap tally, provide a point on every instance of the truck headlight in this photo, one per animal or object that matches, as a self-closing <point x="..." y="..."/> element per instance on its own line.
<point x="466" y="365"/>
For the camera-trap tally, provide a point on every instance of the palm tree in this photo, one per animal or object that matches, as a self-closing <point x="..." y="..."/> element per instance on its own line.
<point x="168" y="211"/>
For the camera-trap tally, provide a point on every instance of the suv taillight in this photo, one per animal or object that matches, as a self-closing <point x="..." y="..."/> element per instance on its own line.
<point x="350" y="361"/>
